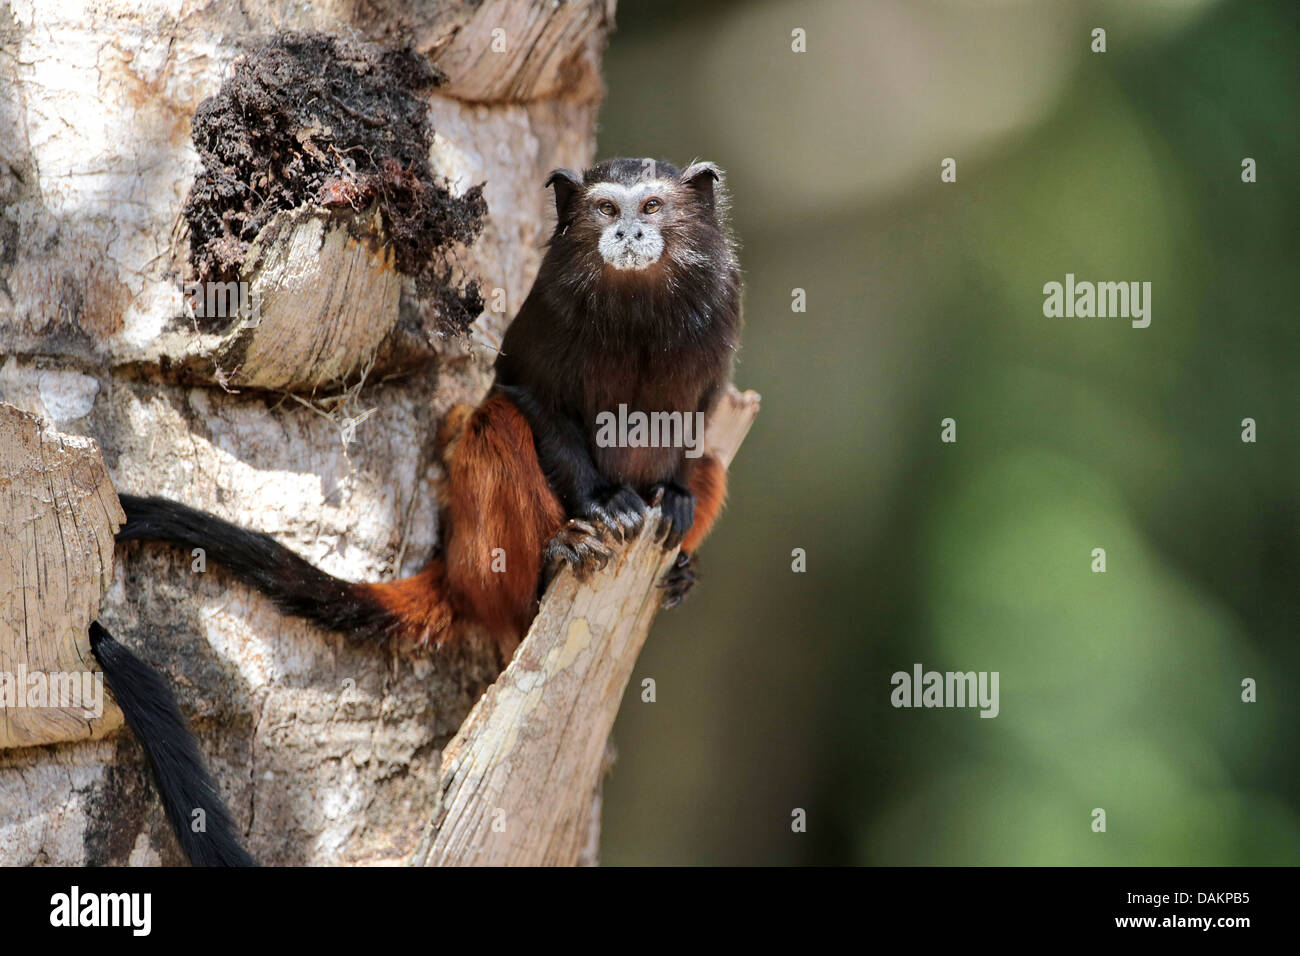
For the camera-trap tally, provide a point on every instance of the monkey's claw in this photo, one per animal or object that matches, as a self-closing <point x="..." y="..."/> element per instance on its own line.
<point x="579" y="545"/>
<point x="677" y="581"/>
<point x="620" y="510"/>
<point x="677" y="513"/>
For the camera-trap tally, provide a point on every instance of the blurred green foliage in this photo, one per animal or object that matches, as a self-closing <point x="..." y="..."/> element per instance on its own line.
<point x="1118" y="690"/>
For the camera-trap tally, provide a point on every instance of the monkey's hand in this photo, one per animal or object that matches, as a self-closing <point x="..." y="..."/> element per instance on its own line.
<point x="618" y="508"/>
<point x="677" y="510"/>
<point x="579" y="545"/>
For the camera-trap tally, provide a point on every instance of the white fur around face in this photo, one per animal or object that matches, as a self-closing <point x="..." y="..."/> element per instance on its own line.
<point x="631" y="239"/>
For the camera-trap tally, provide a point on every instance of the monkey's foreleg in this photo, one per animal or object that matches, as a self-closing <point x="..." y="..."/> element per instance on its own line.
<point x="500" y="514"/>
<point x="566" y="463"/>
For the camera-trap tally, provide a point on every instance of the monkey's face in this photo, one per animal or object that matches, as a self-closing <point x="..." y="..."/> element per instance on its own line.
<point x="637" y="217"/>
<point x="629" y="219"/>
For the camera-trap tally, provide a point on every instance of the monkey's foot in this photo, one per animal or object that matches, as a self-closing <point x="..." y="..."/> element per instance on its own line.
<point x="619" y="509"/>
<point x="677" y="581"/>
<point x="580" y="546"/>
<point x="677" y="512"/>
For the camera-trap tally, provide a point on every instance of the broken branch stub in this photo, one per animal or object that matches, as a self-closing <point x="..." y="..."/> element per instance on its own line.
<point x="59" y="513"/>
<point x="507" y="51"/>
<point x="520" y="779"/>
<point x="323" y="293"/>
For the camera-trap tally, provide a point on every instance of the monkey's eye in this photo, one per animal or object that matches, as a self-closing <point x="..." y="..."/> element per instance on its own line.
<point x="607" y="208"/>
<point x="651" y="206"/>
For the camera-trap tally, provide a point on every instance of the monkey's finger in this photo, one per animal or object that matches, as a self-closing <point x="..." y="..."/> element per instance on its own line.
<point x="633" y="521"/>
<point x="665" y="530"/>
<point x="625" y="524"/>
<point x="603" y="521"/>
<point x="595" y="553"/>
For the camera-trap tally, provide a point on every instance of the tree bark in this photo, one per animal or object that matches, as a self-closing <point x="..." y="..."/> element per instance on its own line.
<point x="315" y="423"/>
<point x="55" y="560"/>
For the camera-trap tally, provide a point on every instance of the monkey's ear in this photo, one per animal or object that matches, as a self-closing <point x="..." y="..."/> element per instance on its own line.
<point x="566" y="183"/>
<point x="701" y="177"/>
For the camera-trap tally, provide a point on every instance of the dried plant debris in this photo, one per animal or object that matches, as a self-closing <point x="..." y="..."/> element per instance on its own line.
<point x="311" y="118"/>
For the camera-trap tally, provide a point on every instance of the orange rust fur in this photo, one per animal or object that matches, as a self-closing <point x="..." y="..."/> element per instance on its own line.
<point x="709" y="485"/>
<point x="498" y="498"/>
<point x="419" y="601"/>
<point x="495" y="496"/>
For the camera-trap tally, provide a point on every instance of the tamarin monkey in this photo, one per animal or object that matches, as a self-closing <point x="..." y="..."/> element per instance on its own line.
<point x="636" y="304"/>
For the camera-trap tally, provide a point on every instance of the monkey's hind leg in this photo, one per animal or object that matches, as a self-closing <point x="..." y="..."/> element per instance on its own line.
<point x="708" y="482"/>
<point x="581" y="546"/>
<point x="500" y="515"/>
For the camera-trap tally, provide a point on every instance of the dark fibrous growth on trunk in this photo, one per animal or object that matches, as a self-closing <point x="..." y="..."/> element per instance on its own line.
<point x="315" y="119"/>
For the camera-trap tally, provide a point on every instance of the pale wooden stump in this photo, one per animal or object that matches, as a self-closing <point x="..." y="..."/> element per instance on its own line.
<point x="59" y="513"/>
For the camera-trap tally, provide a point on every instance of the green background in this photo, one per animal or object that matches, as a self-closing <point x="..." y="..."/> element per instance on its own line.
<point x="1119" y="690"/>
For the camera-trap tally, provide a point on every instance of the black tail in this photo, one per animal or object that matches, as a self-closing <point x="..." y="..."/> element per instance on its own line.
<point x="178" y="768"/>
<point x="261" y="562"/>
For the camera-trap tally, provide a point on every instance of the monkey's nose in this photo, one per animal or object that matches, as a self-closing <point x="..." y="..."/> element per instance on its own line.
<point x="618" y="233"/>
<point x="639" y="234"/>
